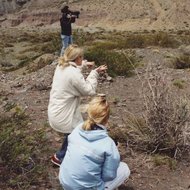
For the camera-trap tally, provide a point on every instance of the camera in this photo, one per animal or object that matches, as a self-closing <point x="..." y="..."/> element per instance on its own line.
<point x="75" y="13"/>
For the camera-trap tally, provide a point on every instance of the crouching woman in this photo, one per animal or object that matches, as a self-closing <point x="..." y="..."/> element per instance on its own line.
<point x="92" y="160"/>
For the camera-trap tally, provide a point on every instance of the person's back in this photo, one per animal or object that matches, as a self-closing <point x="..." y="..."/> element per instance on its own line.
<point x="64" y="98"/>
<point x="67" y="88"/>
<point x="85" y="157"/>
<point x="92" y="159"/>
<point x="65" y="23"/>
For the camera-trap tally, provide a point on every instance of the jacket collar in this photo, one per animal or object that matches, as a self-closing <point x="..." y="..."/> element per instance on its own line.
<point x="73" y="64"/>
<point x="102" y="126"/>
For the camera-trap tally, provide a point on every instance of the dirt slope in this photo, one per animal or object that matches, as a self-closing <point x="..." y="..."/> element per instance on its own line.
<point x="132" y="15"/>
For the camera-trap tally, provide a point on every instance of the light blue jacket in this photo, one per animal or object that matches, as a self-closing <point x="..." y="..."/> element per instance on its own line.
<point x="92" y="159"/>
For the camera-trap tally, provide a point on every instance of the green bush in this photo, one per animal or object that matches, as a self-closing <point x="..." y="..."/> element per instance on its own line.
<point x="21" y="148"/>
<point x="144" y="40"/>
<point x="179" y="83"/>
<point x="118" y="63"/>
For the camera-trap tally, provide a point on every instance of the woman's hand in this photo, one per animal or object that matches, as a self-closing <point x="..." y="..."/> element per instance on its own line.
<point x="89" y="64"/>
<point x="101" y="69"/>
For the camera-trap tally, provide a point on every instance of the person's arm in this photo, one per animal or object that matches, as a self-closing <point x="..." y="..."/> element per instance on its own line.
<point x="111" y="163"/>
<point x="88" y="86"/>
<point x="86" y="64"/>
<point x="66" y="18"/>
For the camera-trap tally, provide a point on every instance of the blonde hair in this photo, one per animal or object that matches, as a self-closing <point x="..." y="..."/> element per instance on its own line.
<point x="98" y="113"/>
<point x="71" y="53"/>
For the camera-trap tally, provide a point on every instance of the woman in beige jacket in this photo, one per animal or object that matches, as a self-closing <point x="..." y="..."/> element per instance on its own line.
<point x="67" y="88"/>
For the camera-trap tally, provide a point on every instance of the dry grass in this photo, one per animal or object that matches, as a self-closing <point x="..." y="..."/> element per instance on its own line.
<point x="166" y="118"/>
<point x="164" y="128"/>
<point x="179" y="83"/>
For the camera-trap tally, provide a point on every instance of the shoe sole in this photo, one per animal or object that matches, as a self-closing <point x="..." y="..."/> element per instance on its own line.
<point x="55" y="163"/>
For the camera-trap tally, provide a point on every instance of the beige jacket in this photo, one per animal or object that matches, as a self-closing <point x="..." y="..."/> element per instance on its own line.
<point x="67" y="88"/>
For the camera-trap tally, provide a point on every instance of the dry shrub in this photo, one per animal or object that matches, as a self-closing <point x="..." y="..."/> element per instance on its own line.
<point x="164" y="127"/>
<point x="166" y="117"/>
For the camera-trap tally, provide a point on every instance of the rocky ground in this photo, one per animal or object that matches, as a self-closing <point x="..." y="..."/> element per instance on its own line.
<point x="30" y="91"/>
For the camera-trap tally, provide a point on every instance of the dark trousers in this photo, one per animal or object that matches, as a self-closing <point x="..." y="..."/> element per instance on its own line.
<point x="61" y="153"/>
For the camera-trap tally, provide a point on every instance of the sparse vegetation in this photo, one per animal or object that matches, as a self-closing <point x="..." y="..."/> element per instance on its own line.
<point x="22" y="162"/>
<point x="124" y="40"/>
<point x="179" y="83"/>
<point x="164" y="160"/>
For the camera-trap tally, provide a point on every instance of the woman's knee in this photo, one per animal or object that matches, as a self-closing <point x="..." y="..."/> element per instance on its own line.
<point x="125" y="170"/>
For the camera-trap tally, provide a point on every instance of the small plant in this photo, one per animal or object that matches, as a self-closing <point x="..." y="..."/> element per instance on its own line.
<point x="163" y="39"/>
<point x="182" y="62"/>
<point x="115" y="100"/>
<point x="179" y="83"/>
<point x="164" y="160"/>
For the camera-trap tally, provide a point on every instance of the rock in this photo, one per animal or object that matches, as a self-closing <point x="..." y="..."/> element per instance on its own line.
<point x="6" y="64"/>
<point x="55" y="62"/>
<point x="18" y="85"/>
<point x="41" y="87"/>
<point x="2" y="19"/>
<point x="109" y="79"/>
<point x="156" y="51"/>
<point x="41" y="62"/>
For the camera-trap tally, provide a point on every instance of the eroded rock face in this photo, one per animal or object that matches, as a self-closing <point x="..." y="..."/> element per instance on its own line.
<point x="9" y="6"/>
<point x="126" y="15"/>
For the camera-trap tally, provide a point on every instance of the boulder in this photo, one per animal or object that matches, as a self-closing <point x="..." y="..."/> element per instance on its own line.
<point x="41" y="62"/>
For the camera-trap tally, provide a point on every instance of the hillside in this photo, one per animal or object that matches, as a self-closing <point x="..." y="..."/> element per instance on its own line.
<point x="130" y="15"/>
<point x="146" y="85"/>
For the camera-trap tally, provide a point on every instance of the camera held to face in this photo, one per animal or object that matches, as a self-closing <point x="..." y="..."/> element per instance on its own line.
<point x="75" y="13"/>
<point x="72" y="14"/>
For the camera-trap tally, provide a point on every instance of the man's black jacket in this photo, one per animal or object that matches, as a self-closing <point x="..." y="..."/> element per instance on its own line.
<point x="66" y="24"/>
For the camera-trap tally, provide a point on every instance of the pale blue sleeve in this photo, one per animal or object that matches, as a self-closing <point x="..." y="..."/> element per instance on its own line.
<point x="111" y="163"/>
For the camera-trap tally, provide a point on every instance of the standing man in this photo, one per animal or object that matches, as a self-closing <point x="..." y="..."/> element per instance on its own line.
<point x="66" y="30"/>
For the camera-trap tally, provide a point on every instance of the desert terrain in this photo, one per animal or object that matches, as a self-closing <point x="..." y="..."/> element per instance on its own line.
<point x="146" y="45"/>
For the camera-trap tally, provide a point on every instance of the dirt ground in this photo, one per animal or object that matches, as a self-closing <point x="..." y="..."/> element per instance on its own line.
<point x="31" y="91"/>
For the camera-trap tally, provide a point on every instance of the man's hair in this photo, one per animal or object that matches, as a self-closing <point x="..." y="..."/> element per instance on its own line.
<point x="65" y="9"/>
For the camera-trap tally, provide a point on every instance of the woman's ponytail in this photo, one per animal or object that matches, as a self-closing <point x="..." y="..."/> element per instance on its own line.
<point x="98" y="113"/>
<point x="70" y="54"/>
<point x="87" y="126"/>
<point x="63" y="61"/>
